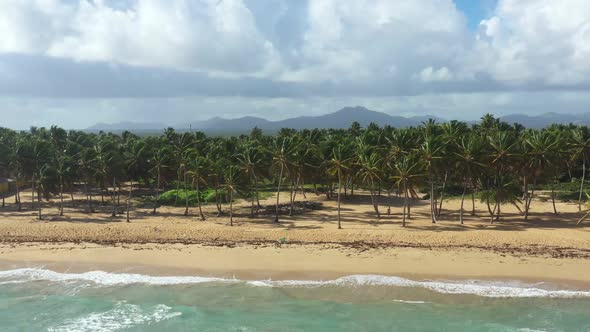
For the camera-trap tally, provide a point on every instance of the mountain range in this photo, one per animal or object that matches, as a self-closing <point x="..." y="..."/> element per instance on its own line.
<point x="339" y="119"/>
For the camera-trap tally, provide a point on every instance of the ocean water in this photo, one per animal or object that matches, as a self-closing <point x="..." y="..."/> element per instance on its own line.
<point x="43" y="300"/>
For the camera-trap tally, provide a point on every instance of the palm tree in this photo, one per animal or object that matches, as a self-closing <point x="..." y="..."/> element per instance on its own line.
<point x="280" y="151"/>
<point x="542" y="152"/>
<point x="468" y="164"/>
<point x="431" y="151"/>
<point x="587" y="213"/>
<point x="198" y="169"/>
<point x="580" y="143"/>
<point x="407" y="174"/>
<point x="133" y="159"/>
<point x="370" y="172"/>
<point x="249" y="159"/>
<point x="231" y="186"/>
<point x="159" y="162"/>
<point x="337" y="165"/>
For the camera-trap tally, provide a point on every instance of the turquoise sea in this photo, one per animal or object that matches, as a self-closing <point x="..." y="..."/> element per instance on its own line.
<point x="43" y="300"/>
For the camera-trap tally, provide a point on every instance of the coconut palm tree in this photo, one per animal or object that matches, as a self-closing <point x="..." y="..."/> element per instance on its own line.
<point x="280" y="151"/>
<point x="337" y="165"/>
<point x="231" y="178"/>
<point x="541" y="155"/>
<point x="469" y="154"/>
<point x="580" y="143"/>
<point x="198" y="171"/>
<point x="158" y="162"/>
<point x="371" y="172"/>
<point x="407" y="174"/>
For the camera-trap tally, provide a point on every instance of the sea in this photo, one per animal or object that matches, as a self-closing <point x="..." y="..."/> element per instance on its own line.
<point x="38" y="299"/>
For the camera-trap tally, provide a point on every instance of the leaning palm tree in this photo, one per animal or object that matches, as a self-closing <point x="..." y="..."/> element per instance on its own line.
<point x="587" y="213"/>
<point x="337" y="165"/>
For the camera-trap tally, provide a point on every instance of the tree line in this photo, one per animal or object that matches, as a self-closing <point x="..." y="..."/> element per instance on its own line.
<point x="497" y="162"/>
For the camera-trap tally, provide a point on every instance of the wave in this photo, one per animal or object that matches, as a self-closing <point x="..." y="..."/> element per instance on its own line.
<point x="122" y="316"/>
<point x="469" y="287"/>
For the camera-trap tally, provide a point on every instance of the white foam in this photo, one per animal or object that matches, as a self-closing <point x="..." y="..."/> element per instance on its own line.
<point x="411" y="302"/>
<point x="474" y="287"/>
<point x="122" y="316"/>
<point x="101" y="278"/>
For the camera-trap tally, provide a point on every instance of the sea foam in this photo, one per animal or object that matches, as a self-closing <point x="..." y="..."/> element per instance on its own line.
<point x="465" y="287"/>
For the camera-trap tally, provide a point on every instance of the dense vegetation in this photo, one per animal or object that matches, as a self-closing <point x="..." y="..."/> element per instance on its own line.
<point x="498" y="162"/>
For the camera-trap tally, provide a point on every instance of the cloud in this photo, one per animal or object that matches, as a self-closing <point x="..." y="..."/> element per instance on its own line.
<point x="212" y="36"/>
<point x="535" y="41"/>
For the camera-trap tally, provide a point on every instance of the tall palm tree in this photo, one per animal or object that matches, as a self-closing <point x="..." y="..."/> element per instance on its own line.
<point x="431" y="151"/>
<point x="370" y="172"/>
<point x="198" y="171"/>
<point x="158" y="162"/>
<point x="580" y="144"/>
<point x="470" y="151"/>
<point x="407" y="174"/>
<point x="542" y="153"/>
<point x="280" y="151"/>
<point x="337" y="165"/>
<point x="231" y="178"/>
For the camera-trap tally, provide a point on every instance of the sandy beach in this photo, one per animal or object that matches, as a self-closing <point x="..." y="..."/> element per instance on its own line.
<point x="305" y="246"/>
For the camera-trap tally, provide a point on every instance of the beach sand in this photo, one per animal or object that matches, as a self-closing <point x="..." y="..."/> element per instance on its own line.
<point x="305" y="246"/>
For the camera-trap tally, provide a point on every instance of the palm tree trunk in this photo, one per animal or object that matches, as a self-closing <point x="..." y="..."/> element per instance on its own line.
<point x="157" y="202"/>
<point x="582" y="183"/>
<point x="61" y="196"/>
<point x="33" y="193"/>
<point x="583" y="218"/>
<point x="278" y="194"/>
<point x="129" y="200"/>
<point x="374" y="200"/>
<point x="389" y="201"/>
<point x="442" y="193"/>
<point x="530" y="199"/>
<point x="257" y="193"/>
<point x="17" y="197"/>
<point x="114" y="209"/>
<point x="462" y="200"/>
<point x="199" y="202"/>
<point x="432" y="203"/>
<point x="40" y="204"/>
<point x="553" y="200"/>
<point x="473" y="201"/>
<point x="406" y="207"/>
<point x="339" y="192"/>
<point x="185" y="196"/>
<point x="231" y="207"/>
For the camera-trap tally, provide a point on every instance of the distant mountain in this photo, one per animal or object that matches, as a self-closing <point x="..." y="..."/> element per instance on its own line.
<point x="547" y="119"/>
<point x="122" y="126"/>
<point x="340" y="119"/>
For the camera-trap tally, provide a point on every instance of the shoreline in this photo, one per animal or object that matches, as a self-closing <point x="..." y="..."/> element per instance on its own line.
<point x="296" y="262"/>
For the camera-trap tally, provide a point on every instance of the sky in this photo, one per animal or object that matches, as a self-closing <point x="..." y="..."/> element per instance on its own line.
<point x="74" y="63"/>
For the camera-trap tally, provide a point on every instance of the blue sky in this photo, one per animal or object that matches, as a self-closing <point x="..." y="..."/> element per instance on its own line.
<point x="475" y="10"/>
<point x="77" y="62"/>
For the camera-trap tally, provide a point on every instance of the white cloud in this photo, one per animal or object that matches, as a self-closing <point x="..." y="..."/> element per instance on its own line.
<point x="431" y="75"/>
<point x="535" y="41"/>
<point x="218" y="37"/>
<point x="364" y="39"/>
